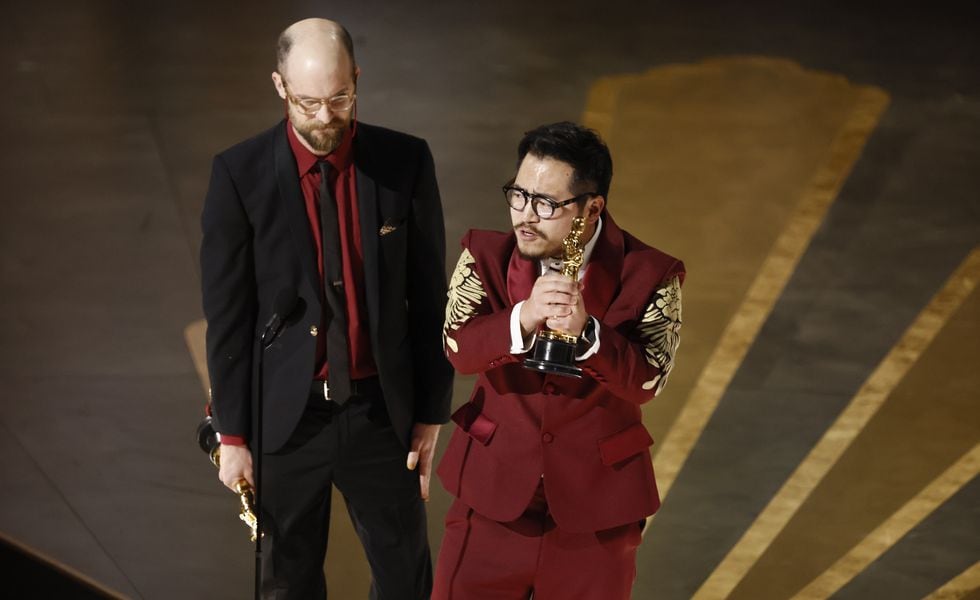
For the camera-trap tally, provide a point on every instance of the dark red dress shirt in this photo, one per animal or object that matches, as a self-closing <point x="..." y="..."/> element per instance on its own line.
<point x="348" y="216"/>
<point x="352" y="253"/>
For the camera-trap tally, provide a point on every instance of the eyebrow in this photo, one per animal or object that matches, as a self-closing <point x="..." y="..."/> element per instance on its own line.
<point x="534" y="194"/>
<point x="340" y="93"/>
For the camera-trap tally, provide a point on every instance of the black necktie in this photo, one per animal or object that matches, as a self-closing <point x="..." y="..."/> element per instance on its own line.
<point x="333" y="289"/>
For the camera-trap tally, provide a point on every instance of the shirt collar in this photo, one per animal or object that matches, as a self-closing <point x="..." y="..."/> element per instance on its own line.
<point x="340" y="158"/>
<point x="555" y="263"/>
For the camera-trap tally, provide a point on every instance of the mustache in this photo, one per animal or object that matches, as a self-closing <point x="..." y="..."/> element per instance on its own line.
<point x="530" y="228"/>
<point x="318" y="125"/>
<point x="321" y="126"/>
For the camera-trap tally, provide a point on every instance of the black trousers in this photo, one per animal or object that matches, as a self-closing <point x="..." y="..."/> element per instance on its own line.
<point x="355" y="449"/>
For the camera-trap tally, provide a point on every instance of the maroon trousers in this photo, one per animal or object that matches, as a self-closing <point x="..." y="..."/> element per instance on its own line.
<point x="482" y="559"/>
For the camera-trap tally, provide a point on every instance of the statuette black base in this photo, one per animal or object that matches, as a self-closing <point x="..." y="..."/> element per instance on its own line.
<point x="554" y="356"/>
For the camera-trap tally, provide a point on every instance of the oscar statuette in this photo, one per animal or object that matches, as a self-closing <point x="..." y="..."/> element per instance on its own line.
<point x="554" y="351"/>
<point x="207" y="438"/>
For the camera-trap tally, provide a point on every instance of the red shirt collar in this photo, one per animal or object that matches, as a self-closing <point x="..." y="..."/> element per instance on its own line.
<point x="340" y="158"/>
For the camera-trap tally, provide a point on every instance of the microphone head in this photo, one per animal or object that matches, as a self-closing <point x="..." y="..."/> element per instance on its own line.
<point x="207" y="438"/>
<point x="285" y="302"/>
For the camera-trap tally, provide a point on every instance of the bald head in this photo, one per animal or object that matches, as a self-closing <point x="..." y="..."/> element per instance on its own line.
<point x="317" y="80"/>
<point x="315" y="44"/>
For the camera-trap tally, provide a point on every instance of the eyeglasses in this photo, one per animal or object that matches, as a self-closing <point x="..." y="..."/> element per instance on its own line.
<point x="543" y="206"/>
<point x="311" y="106"/>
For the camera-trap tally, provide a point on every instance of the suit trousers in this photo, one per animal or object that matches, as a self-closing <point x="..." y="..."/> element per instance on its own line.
<point x="482" y="559"/>
<point x="354" y="448"/>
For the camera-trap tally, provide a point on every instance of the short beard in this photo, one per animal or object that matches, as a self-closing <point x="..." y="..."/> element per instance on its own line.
<point x="532" y="256"/>
<point x="322" y="137"/>
<point x="541" y="254"/>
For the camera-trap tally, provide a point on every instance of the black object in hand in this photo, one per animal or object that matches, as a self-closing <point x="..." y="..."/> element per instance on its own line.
<point x="207" y="439"/>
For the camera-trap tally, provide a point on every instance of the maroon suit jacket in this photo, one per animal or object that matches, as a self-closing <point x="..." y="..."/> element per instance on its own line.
<point x="584" y="436"/>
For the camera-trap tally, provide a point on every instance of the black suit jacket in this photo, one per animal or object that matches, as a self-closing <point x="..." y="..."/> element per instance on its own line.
<point x="257" y="241"/>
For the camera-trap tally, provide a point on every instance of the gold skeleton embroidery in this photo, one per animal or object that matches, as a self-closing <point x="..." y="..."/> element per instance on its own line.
<point x="659" y="331"/>
<point x="465" y="296"/>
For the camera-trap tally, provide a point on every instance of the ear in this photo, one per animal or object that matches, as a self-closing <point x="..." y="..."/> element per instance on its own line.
<point x="594" y="208"/>
<point x="277" y="81"/>
<point x="357" y="73"/>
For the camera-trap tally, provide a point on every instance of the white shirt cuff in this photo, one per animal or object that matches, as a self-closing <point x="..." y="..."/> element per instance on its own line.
<point x="518" y="345"/>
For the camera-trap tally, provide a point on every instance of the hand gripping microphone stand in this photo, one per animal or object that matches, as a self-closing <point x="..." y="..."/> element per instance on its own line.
<point x="284" y="304"/>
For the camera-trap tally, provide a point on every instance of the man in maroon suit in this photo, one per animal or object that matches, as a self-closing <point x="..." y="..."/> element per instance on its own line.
<point x="552" y="475"/>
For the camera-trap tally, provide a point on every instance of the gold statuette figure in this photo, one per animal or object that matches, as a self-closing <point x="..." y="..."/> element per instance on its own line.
<point x="247" y="514"/>
<point x="208" y="440"/>
<point x="554" y="351"/>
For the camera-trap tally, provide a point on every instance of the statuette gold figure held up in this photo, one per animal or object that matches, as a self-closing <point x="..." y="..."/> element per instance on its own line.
<point x="554" y="351"/>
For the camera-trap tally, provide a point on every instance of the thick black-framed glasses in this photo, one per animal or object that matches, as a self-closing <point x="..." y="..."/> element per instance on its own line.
<point x="543" y="206"/>
<point x="311" y="106"/>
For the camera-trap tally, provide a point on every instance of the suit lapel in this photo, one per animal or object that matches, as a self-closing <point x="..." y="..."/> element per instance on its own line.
<point x="604" y="271"/>
<point x="521" y="274"/>
<point x="293" y="205"/>
<point x="367" y="206"/>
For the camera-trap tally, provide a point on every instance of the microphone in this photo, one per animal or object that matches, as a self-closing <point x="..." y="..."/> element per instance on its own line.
<point x="207" y="439"/>
<point x="284" y="304"/>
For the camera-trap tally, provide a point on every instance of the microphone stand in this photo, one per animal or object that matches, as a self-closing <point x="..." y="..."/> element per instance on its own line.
<point x="284" y="303"/>
<point x="257" y="470"/>
<point x="257" y="475"/>
<point x="270" y="334"/>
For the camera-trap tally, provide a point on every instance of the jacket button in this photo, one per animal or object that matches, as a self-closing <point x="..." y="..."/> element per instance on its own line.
<point x="314" y="330"/>
<point x="547" y="438"/>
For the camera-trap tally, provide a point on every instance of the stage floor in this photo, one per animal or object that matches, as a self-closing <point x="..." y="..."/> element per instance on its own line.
<point x="815" y="167"/>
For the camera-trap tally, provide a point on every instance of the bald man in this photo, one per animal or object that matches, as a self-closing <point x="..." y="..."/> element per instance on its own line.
<point x="322" y="262"/>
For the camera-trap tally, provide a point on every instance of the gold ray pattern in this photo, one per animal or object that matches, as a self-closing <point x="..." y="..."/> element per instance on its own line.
<point x="845" y="429"/>
<point x="899" y="524"/>
<point x="961" y="586"/>
<point x="781" y="209"/>
<point x="766" y="288"/>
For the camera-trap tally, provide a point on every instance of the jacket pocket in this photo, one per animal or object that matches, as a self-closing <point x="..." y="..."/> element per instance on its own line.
<point x="391" y="225"/>
<point x="469" y="418"/>
<point x="624" y="444"/>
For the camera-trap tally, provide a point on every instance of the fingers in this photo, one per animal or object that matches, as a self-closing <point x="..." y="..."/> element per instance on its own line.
<point x="572" y="322"/>
<point x="552" y="282"/>
<point x="231" y="480"/>
<point x="423" y="466"/>
<point x="556" y="285"/>
<point x="559" y="312"/>
<point x="425" y="469"/>
<point x="424" y="486"/>
<point x="415" y="450"/>
<point x="554" y="296"/>
<point x="422" y="452"/>
<point x="236" y="465"/>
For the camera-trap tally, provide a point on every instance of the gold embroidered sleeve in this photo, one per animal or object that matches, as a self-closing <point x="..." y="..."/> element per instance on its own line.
<point x="465" y="294"/>
<point x="659" y="331"/>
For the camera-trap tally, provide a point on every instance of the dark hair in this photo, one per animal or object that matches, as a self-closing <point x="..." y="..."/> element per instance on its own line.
<point x="285" y="44"/>
<point x="580" y="147"/>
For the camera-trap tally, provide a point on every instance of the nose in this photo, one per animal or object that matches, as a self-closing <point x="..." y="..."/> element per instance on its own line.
<point x="528" y="213"/>
<point x="323" y="113"/>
